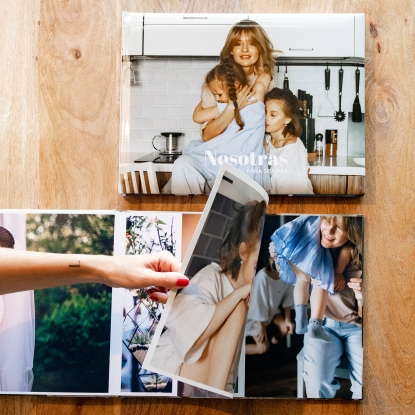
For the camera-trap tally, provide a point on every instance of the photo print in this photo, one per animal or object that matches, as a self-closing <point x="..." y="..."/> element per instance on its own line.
<point x="143" y="233"/>
<point x="200" y="336"/>
<point x="297" y="344"/>
<point x="280" y="97"/>
<point x="56" y="340"/>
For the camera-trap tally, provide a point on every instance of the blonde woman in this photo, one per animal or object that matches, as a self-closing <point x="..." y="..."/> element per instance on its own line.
<point x="249" y="47"/>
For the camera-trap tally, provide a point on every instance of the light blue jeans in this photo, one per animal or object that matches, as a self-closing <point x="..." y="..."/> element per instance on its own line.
<point x="190" y="176"/>
<point x="321" y="360"/>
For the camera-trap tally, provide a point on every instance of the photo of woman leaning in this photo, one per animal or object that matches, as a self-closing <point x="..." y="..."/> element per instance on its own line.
<point x="204" y="328"/>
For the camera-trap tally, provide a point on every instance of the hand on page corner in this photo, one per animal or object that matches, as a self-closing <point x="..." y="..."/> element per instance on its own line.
<point x="157" y="270"/>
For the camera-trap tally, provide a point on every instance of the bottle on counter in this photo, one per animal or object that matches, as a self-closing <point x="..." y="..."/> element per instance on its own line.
<point x="319" y="144"/>
<point x="331" y="143"/>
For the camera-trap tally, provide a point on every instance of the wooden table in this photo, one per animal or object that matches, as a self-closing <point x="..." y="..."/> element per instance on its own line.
<point x="59" y="108"/>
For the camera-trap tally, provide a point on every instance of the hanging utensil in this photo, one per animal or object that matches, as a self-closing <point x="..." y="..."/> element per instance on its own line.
<point x="326" y="102"/>
<point x="357" y="110"/>
<point x="286" y="83"/>
<point x="340" y="115"/>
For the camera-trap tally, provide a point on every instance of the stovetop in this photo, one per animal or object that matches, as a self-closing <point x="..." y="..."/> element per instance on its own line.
<point x="155" y="157"/>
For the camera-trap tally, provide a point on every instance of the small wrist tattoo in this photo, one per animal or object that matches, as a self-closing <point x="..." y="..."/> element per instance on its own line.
<point x="76" y="266"/>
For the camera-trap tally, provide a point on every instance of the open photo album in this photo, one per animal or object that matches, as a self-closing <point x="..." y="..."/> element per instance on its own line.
<point x="280" y="97"/>
<point x="273" y="308"/>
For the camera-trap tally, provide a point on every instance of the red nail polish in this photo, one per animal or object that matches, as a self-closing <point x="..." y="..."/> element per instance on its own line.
<point x="182" y="282"/>
<point x="154" y="297"/>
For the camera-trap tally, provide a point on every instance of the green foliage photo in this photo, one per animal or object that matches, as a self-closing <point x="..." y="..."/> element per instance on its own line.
<point x="72" y="322"/>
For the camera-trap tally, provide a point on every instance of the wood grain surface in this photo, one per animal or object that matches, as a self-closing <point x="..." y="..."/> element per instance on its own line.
<point x="59" y="130"/>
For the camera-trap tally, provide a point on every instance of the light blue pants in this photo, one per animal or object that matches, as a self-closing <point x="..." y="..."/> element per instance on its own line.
<point x="321" y="360"/>
<point x="191" y="177"/>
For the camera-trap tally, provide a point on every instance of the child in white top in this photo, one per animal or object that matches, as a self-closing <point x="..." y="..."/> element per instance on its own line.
<point x="289" y="169"/>
<point x="241" y="142"/>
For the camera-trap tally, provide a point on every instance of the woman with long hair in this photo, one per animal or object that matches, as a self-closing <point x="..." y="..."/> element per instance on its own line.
<point x="205" y="324"/>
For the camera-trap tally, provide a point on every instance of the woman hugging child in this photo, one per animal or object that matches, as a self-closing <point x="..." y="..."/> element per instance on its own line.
<point x="301" y="249"/>
<point x="231" y="115"/>
<point x="240" y="144"/>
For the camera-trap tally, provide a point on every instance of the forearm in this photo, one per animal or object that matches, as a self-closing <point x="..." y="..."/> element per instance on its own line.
<point x="343" y="260"/>
<point x="287" y="313"/>
<point x="225" y="347"/>
<point x="202" y="115"/>
<point x="219" y="124"/>
<point x="222" y="311"/>
<point x="22" y="270"/>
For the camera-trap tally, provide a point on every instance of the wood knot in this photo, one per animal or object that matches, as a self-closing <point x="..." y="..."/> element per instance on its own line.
<point x="385" y="107"/>
<point x="373" y="30"/>
<point x="76" y="53"/>
<point x="378" y="47"/>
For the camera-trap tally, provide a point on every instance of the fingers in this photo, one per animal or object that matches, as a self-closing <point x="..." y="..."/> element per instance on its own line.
<point x="167" y="262"/>
<point x="355" y="283"/>
<point x="171" y="280"/>
<point x="160" y="297"/>
<point x="164" y="272"/>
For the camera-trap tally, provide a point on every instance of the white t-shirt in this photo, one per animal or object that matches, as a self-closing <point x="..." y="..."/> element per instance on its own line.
<point x="190" y="315"/>
<point x="289" y="173"/>
<point x="266" y="298"/>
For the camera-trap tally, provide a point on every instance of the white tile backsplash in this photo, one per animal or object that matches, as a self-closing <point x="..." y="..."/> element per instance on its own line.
<point x="140" y="99"/>
<point x="167" y="123"/>
<point x="155" y="111"/>
<point x="168" y="89"/>
<point x="169" y="76"/>
<point x="190" y="99"/>
<point x="151" y="87"/>
<point x="180" y="87"/>
<point x="179" y="111"/>
<point x="142" y="122"/>
<point x="167" y="99"/>
<point x="192" y="76"/>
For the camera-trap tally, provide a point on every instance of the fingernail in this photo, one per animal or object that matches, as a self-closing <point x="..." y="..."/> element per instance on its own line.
<point x="154" y="297"/>
<point x="182" y="282"/>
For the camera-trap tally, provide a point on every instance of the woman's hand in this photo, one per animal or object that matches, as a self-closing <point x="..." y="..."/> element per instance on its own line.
<point x="339" y="282"/>
<point x="288" y="327"/>
<point x="356" y="285"/>
<point x="261" y="336"/>
<point x="243" y="98"/>
<point x="244" y="290"/>
<point x="153" y="270"/>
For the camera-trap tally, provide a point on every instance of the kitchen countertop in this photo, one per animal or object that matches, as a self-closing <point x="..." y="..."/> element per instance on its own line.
<point x="338" y="166"/>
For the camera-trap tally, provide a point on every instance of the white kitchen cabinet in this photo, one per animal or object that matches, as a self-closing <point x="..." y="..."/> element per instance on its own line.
<point x="359" y="40"/>
<point x="295" y="35"/>
<point x="313" y="35"/>
<point x="132" y="33"/>
<point x="176" y="34"/>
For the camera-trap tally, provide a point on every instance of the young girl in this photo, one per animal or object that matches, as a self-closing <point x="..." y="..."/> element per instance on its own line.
<point x="204" y="331"/>
<point x="289" y="171"/>
<point x="241" y="144"/>
<point x="269" y="294"/>
<point x="302" y="251"/>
